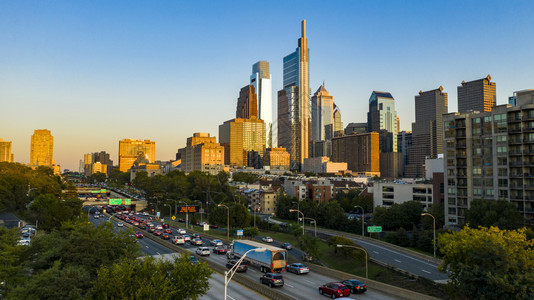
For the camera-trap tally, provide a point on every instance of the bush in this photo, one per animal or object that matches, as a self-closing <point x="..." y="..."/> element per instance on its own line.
<point x="251" y="231"/>
<point x="399" y="238"/>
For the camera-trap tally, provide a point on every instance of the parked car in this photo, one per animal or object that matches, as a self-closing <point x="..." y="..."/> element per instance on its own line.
<point x="220" y="250"/>
<point x="334" y="290"/>
<point x="203" y="251"/>
<point x="178" y="240"/>
<point x="267" y="239"/>
<point x="355" y="286"/>
<point x="181" y="231"/>
<point x="287" y="246"/>
<point x="23" y="243"/>
<point x="272" y="279"/>
<point x="139" y="235"/>
<point x="298" y="268"/>
<point x="96" y="216"/>
<point x="214" y="226"/>
<point x="216" y="243"/>
<point x="241" y="268"/>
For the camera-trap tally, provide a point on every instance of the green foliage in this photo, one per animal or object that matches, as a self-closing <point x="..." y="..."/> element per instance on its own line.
<point x="118" y="178"/>
<point x="251" y="231"/>
<point x="295" y="229"/>
<point x="97" y="177"/>
<point x="309" y="174"/>
<point x="11" y="258"/>
<point x="488" y="263"/>
<point x="245" y="177"/>
<point x="403" y="215"/>
<point x="399" y="238"/>
<point x="239" y="215"/>
<point x="346" y="251"/>
<point x="499" y="213"/>
<point x="152" y="279"/>
<point x="70" y="191"/>
<point x="51" y="211"/>
<point x="438" y="211"/>
<point x="309" y="245"/>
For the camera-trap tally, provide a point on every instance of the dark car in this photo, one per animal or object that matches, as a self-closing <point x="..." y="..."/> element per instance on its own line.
<point x="241" y="268"/>
<point x="165" y="225"/>
<point x="166" y="236"/>
<point x="168" y="230"/>
<point x="334" y="290"/>
<point x="214" y="226"/>
<point x="287" y="246"/>
<point x="181" y="220"/>
<point x="158" y="232"/>
<point x="142" y="226"/>
<point x="355" y="286"/>
<point x="196" y="236"/>
<point x="272" y="279"/>
<point x="220" y="250"/>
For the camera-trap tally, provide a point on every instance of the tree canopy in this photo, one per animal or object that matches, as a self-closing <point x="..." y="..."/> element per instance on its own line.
<point x="499" y="213"/>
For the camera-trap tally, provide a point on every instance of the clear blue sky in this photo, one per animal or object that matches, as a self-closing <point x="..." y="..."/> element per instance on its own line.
<point x="95" y="72"/>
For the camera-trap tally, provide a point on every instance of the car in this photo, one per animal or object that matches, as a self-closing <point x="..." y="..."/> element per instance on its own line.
<point x="287" y="246"/>
<point x="242" y="267"/>
<point x="334" y="290"/>
<point x="220" y="250"/>
<point x="181" y="220"/>
<point x="23" y="243"/>
<point x="158" y="232"/>
<point x="216" y="243"/>
<point x="151" y="229"/>
<point x="203" y="251"/>
<point x="120" y="224"/>
<point x="267" y="239"/>
<point x="166" y="236"/>
<point x="159" y="227"/>
<point x="145" y="214"/>
<point x="355" y="286"/>
<point x="181" y="231"/>
<point x="272" y="279"/>
<point x="196" y="236"/>
<point x="165" y="225"/>
<point x="139" y="235"/>
<point x="96" y="216"/>
<point x="214" y="226"/>
<point x="298" y="268"/>
<point x="196" y="242"/>
<point x="178" y="239"/>
<point x="193" y="260"/>
<point x="168" y="230"/>
<point x="136" y="223"/>
<point x="187" y="238"/>
<point x="142" y="226"/>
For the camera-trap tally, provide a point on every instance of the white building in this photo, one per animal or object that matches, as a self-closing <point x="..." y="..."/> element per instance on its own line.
<point x="389" y="193"/>
<point x="434" y="165"/>
<point x="261" y="80"/>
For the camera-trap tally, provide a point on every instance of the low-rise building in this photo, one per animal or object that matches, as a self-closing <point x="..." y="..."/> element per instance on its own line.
<point x="323" y="165"/>
<point x="389" y="193"/>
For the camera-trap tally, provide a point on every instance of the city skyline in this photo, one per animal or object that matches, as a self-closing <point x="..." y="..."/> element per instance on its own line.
<point x="93" y="83"/>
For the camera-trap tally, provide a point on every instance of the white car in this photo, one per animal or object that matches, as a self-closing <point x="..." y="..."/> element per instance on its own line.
<point x="203" y="251"/>
<point x="216" y="243"/>
<point x="187" y="238"/>
<point x="120" y="224"/>
<point x="97" y="217"/>
<point x="181" y="231"/>
<point x="267" y="239"/>
<point x="23" y="243"/>
<point x="159" y="227"/>
<point x="178" y="240"/>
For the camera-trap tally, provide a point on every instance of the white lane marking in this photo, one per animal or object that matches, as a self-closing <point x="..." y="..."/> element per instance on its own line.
<point x="230" y="297"/>
<point x="376" y="252"/>
<point x="289" y="285"/>
<point x="253" y="271"/>
<point x="158" y="253"/>
<point x="407" y="256"/>
<point x="146" y="246"/>
<point x="426" y="271"/>
<point x="307" y="281"/>
<point x="397" y="260"/>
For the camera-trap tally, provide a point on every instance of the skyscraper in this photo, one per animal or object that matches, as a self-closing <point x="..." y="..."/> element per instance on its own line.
<point x="42" y="148"/>
<point x="247" y="103"/>
<point x="338" y="124"/>
<point x="294" y="104"/>
<point x="130" y="150"/>
<point x="383" y="116"/>
<point x="477" y="95"/>
<point x="261" y="80"/>
<point x="239" y="137"/>
<point x="322" y="117"/>
<point x="427" y="130"/>
<point x="5" y="151"/>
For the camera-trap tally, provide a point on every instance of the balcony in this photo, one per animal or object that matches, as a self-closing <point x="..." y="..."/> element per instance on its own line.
<point x="528" y="141"/>
<point x="513" y="118"/>
<point x="515" y="152"/>
<point x="515" y="141"/>
<point x="514" y="130"/>
<point x="528" y="128"/>
<point x="516" y="163"/>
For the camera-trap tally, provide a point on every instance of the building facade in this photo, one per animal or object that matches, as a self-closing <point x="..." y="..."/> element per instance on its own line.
<point x="477" y="95"/>
<point x="203" y="153"/>
<point x="247" y="103"/>
<point x="404" y="141"/>
<point x="42" y="148"/>
<point x="6" y="154"/>
<point x="359" y="151"/>
<point x="383" y="116"/>
<point x="239" y="137"/>
<point x="338" y="124"/>
<point x="130" y="150"/>
<point x="276" y="158"/>
<point x="262" y="82"/>
<point x="356" y="128"/>
<point x="388" y="193"/>
<point x="322" y="115"/>
<point x="103" y="158"/>
<point x="323" y="165"/>
<point x="294" y="104"/>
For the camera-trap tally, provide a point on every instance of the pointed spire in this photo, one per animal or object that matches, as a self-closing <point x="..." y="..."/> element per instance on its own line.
<point x="323" y="82"/>
<point x="303" y="28"/>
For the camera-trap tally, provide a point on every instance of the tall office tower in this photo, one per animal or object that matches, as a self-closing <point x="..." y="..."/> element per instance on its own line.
<point x="404" y="141"/>
<point x="338" y="124"/>
<point x="261" y="80"/>
<point x="427" y="130"/>
<point x="294" y="104"/>
<point x="359" y="151"/>
<point x="42" y="148"/>
<point x="239" y="137"/>
<point x="477" y="95"/>
<point x="203" y="153"/>
<point x="383" y="116"/>
<point x="247" y="103"/>
<point x="130" y="150"/>
<point x="322" y="116"/>
<point x="5" y="151"/>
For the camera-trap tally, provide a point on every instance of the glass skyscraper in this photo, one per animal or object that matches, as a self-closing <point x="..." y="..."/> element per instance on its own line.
<point x="261" y="80"/>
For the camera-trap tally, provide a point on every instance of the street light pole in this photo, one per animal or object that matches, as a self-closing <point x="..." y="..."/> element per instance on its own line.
<point x="292" y="210"/>
<point x="362" y="219"/>
<point x="434" y="221"/>
<point x="298" y="208"/>
<point x="186" y="213"/>
<point x="314" y="223"/>
<point x="366" y="267"/>
<point x="201" y="209"/>
<point x="170" y="210"/>
<point x="232" y="271"/>
<point x="227" y="221"/>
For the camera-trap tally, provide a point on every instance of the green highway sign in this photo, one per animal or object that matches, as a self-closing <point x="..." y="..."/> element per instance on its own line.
<point x="374" y="228"/>
<point x="127" y="201"/>
<point x="103" y="191"/>
<point x="115" y="201"/>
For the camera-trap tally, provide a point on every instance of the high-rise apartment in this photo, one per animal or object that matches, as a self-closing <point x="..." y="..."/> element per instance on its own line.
<point x="5" y="151"/>
<point x="322" y="117"/>
<point x="427" y="130"/>
<point x="42" y="148"/>
<point x="102" y="159"/>
<point x="247" y="103"/>
<point x="477" y="95"/>
<point x="383" y="116"/>
<point x="294" y="104"/>
<point x="130" y="150"/>
<point x="262" y="82"/>
<point x="240" y="136"/>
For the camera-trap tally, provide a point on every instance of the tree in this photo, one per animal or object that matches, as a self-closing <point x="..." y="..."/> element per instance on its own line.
<point x="11" y="258"/>
<point x="399" y="238"/>
<point x="499" y="213"/>
<point x="51" y="211"/>
<point x="489" y="263"/>
<point x="152" y="279"/>
<point x="97" y="177"/>
<point x="245" y="177"/>
<point x="308" y="244"/>
<point x="251" y="231"/>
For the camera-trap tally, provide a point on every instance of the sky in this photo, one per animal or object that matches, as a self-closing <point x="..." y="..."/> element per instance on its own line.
<point x="96" y="72"/>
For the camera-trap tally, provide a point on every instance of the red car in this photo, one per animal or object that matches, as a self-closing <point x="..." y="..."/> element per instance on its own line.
<point x="168" y="230"/>
<point x="139" y="235"/>
<point x="158" y="232"/>
<point x="334" y="290"/>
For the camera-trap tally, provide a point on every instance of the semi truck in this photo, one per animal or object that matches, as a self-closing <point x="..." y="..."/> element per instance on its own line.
<point x="273" y="259"/>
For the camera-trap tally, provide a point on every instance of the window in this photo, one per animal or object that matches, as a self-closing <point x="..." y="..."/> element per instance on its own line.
<point x="501" y="139"/>
<point x="477" y="192"/>
<point x="502" y="149"/>
<point x="503" y="182"/>
<point x="477" y="171"/>
<point x="502" y="161"/>
<point x="451" y="191"/>
<point x="489" y="192"/>
<point x="503" y="172"/>
<point x="477" y="181"/>
<point x="452" y="201"/>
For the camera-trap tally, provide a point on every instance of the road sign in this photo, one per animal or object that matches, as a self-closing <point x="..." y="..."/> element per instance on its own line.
<point x="374" y="228"/>
<point x="173" y="218"/>
<point x="115" y="202"/>
<point x="127" y="201"/>
<point x="206" y="227"/>
<point x="240" y="233"/>
<point x="189" y="209"/>
<point x="157" y="214"/>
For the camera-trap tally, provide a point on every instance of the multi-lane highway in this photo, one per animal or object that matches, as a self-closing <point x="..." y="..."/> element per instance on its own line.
<point x="296" y="286"/>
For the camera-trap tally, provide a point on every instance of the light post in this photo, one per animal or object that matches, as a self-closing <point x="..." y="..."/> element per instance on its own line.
<point x="201" y="210"/>
<point x="111" y="216"/>
<point x="298" y="208"/>
<point x="232" y="271"/>
<point x="312" y="220"/>
<point x="170" y="210"/>
<point x="186" y="213"/>
<point x="175" y="210"/>
<point x="366" y="268"/>
<point x="362" y="219"/>
<point x="433" y="219"/>
<point x="292" y="210"/>
<point x="227" y="221"/>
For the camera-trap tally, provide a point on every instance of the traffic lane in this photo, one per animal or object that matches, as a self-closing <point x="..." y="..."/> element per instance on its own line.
<point x="402" y="261"/>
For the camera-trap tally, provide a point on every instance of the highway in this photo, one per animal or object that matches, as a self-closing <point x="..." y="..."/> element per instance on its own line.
<point x="389" y="255"/>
